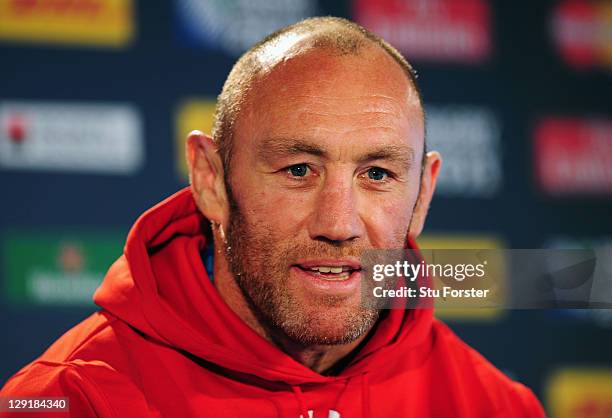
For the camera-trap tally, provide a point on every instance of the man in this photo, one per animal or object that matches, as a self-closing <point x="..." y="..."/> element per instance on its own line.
<point x="317" y="154"/>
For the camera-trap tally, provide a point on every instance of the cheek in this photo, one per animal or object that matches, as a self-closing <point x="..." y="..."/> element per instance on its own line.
<point x="280" y="212"/>
<point x="387" y="222"/>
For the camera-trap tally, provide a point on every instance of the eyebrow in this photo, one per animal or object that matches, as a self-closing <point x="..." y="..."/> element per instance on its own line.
<point x="275" y="147"/>
<point x="403" y="155"/>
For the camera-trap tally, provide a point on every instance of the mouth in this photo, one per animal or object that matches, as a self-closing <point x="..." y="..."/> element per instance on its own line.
<point x="330" y="274"/>
<point x="330" y="269"/>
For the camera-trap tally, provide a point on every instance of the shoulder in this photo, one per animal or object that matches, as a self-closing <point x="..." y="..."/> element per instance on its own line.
<point x="79" y="366"/>
<point x="43" y="379"/>
<point x="477" y="373"/>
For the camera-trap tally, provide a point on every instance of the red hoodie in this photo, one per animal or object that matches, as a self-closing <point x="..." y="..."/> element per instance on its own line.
<point x="165" y="344"/>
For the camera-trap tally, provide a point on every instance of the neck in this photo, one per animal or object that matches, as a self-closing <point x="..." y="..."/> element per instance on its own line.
<point x="323" y="359"/>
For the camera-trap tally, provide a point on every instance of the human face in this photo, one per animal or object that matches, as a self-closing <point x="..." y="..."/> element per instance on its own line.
<point x="326" y="164"/>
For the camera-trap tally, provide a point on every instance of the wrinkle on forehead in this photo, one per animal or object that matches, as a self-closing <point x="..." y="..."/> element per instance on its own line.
<point x="370" y="103"/>
<point x="358" y="113"/>
<point x="322" y="87"/>
<point x="366" y="113"/>
<point x="319" y="75"/>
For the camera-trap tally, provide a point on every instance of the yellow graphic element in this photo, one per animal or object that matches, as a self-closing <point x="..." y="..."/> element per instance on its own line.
<point x="190" y="115"/>
<point x="81" y="22"/>
<point x="580" y="393"/>
<point x="605" y="33"/>
<point x="468" y="242"/>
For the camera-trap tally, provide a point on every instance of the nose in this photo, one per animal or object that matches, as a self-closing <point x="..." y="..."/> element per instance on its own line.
<point x="335" y="216"/>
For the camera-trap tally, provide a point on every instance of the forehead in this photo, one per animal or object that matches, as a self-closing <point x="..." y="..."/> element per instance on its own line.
<point x="314" y="92"/>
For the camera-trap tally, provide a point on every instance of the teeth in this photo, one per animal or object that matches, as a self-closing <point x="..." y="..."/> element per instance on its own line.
<point x="328" y="269"/>
<point x="337" y="278"/>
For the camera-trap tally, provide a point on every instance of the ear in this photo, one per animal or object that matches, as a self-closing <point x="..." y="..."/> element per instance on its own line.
<point x="206" y="177"/>
<point x="431" y="168"/>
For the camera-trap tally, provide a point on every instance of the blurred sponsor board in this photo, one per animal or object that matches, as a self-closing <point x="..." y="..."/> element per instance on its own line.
<point x="426" y="30"/>
<point x="191" y="114"/>
<point x="581" y="32"/>
<point x="469" y="140"/>
<point x="75" y="137"/>
<point x="59" y="269"/>
<point x="580" y="393"/>
<point x="233" y="26"/>
<point x="573" y="156"/>
<point x="107" y="23"/>
<point x="466" y="242"/>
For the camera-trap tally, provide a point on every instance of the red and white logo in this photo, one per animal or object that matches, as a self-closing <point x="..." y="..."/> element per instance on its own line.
<point x="582" y="33"/>
<point x="572" y="156"/>
<point x="431" y="30"/>
<point x="71" y="137"/>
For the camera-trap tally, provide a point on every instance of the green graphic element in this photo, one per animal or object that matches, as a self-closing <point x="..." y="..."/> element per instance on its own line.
<point x="57" y="268"/>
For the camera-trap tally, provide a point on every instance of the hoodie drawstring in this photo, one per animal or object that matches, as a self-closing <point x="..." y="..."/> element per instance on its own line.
<point x="346" y="384"/>
<point x="365" y="396"/>
<point x="301" y="401"/>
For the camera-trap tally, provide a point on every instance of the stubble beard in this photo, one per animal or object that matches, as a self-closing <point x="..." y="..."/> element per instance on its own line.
<point x="260" y="264"/>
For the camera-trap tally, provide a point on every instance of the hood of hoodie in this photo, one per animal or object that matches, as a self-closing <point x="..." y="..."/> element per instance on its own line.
<point x="160" y="287"/>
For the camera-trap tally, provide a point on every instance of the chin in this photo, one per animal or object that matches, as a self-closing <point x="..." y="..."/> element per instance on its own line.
<point x="329" y="327"/>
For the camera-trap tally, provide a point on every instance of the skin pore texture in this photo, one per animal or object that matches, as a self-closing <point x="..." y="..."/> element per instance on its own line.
<point x="327" y="162"/>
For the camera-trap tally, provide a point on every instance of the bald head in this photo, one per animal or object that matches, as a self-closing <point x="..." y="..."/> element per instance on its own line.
<point x="329" y="35"/>
<point x="321" y="134"/>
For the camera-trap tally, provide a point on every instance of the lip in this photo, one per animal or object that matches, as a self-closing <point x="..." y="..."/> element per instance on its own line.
<point x="314" y="283"/>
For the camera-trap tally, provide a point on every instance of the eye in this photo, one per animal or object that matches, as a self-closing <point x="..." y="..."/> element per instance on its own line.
<point x="298" y="170"/>
<point x="377" y="173"/>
